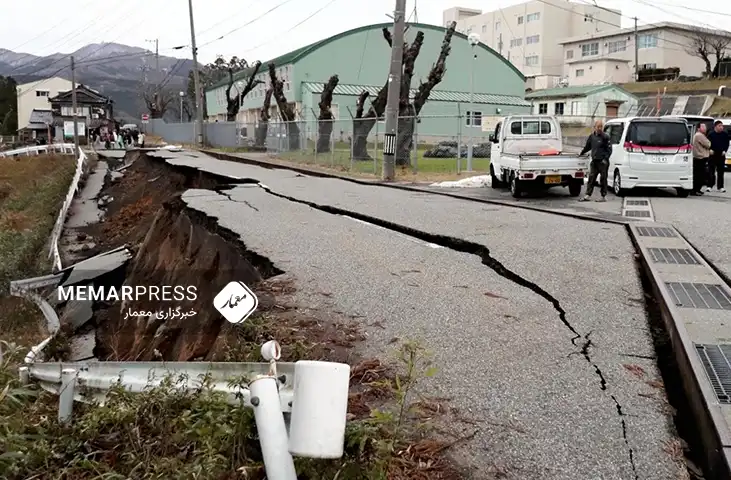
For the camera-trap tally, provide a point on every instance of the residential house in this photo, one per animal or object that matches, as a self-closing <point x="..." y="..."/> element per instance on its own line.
<point x="94" y="110"/>
<point x="36" y="95"/>
<point x="609" y="56"/>
<point x="581" y="105"/>
<point x="528" y="34"/>
<point x="39" y="127"/>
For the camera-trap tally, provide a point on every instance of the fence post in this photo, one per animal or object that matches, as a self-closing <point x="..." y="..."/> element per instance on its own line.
<point x="272" y="430"/>
<point x="317" y="132"/>
<point x="352" y="138"/>
<point x="332" y="146"/>
<point x="415" y="161"/>
<point x="459" y="139"/>
<point x="375" y="151"/>
<point x="66" y="395"/>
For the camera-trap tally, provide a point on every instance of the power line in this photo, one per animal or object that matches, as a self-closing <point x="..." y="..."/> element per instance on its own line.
<point x="309" y="17"/>
<point x="246" y="24"/>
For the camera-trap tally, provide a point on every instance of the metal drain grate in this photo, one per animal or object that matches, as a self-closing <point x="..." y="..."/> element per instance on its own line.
<point x="637" y="213"/>
<point x="716" y="360"/>
<point x="678" y="256"/>
<point x="699" y="295"/>
<point x="643" y="203"/>
<point x="664" y="232"/>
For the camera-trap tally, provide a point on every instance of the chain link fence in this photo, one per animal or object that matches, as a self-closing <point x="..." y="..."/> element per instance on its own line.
<point x="433" y="144"/>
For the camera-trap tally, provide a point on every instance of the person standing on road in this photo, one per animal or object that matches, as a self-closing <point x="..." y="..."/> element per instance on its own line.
<point x="701" y="152"/>
<point x="601" y="149"/>
<point x="719" y="140"/>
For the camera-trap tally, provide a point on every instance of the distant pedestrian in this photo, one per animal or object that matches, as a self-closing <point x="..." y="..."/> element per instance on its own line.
<point x="601" y="149"/>
<point x="719" y="140"/>
<point x="701" y="152"/>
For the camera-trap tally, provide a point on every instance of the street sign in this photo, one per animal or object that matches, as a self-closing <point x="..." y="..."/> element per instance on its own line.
<point x="145" y="118"/>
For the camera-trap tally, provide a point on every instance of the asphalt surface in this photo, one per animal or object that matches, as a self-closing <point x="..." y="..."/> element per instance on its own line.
<point x="504" y="354"/>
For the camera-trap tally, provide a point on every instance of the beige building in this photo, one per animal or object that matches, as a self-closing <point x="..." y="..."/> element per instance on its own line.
<point x="36" y="95"/>
<point x="528" y="34"/>
<point x="609" y="57"/>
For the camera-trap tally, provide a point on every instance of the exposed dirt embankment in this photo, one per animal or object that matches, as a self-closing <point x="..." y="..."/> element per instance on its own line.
<point x="177" y="246"/>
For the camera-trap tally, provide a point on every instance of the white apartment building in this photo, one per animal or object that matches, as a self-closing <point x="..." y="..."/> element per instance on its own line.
<point x="610" y="56"/>
<point x="528" y="34"/>
<point x="35" y="96"/>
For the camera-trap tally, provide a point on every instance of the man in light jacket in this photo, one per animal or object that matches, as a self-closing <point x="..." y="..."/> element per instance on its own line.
<point x="701" y="152"/>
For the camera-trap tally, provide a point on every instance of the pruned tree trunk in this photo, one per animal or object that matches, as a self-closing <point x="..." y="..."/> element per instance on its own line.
<point x="260" y="139"/>
<point x="363" y="124"/>
<point x="285" y="110"/>
<point x="233" y="105"/>
<point x="408" y="112"/>
<point x="326" y="118"/>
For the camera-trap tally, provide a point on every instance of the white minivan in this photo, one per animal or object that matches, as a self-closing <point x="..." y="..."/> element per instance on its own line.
<point x="650" y="152"/>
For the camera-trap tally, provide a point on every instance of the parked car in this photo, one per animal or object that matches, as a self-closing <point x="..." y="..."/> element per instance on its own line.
<point x="650" y="152"/>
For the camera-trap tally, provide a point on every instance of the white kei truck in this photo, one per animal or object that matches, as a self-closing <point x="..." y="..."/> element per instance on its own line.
<point x="527" y="155"/>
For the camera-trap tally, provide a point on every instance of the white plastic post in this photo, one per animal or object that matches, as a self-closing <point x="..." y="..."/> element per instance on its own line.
<point x="24" y="373"/>
<point x="319" y="409"/>
<point x="66" y="395"/>
<point x="278" y="462"/>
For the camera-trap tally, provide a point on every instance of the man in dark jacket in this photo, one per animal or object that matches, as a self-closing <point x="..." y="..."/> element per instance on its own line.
<point x="717" y="163"/>
<point x="601" y="149"/>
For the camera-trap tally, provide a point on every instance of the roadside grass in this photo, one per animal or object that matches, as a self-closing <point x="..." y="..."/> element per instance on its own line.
<point x="339" y="160"/>
<point x="169" y="432"/>
<point x="32" y="190"/>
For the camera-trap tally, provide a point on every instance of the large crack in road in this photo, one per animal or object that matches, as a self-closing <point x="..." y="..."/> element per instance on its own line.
<point x="481" y="251"/>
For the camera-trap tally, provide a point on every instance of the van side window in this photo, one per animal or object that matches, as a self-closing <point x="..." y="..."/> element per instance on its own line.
<point x="516" y="128"/>
<point x="615" y="133"/>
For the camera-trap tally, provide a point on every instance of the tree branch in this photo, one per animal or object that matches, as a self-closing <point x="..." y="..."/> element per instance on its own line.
<point x="252" y="82"/>
<point x="437" y="72"/>
<point x="326" y="98"/>
<point x="360" y="105"/>
<point x="278" y="92"/>
<point x="410" y="56"/>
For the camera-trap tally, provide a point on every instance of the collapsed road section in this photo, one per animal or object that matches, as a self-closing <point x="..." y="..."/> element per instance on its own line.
<point x="547" y="347"/>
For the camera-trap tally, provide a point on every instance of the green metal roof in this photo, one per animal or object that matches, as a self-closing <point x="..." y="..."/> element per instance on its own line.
<point x="576" y="91"/>
<point x="295" y="55"/>
<point x="436" y="95"/>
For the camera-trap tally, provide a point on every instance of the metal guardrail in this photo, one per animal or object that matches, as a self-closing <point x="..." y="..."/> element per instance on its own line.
<point x="65" y="148"/>
<point x="299" y="408"/>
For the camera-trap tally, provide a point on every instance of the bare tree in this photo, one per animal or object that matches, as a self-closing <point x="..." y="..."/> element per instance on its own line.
<point x="264" y="116"/>
<point x="157" y="100"/>
<point x="234" y="104"/>
<point x="363" y="123"/>
<point x="285" y="109"/>
<point x="707" y="45"/>
<point x="326" y="118"/>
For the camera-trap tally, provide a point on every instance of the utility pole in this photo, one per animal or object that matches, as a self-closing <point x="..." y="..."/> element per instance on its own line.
<point x="196" y="80"/>
<point x="74" y="107"/>
<point x="394" y="90"/>
<point x="637" y="54"/>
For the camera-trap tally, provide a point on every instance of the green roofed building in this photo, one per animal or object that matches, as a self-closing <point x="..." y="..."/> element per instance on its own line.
<point x="361" y="57"/>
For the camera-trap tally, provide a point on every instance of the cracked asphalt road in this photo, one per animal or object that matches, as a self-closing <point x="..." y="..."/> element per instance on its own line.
<point x="504" y="354"/>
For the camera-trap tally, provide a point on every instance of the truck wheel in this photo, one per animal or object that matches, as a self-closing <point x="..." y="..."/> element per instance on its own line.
<point x="515" y="187"/>
<point x="617" y="185"/>
<point x="682" y="192"/>
<point x="495" y="182"/>
<point x="575" y="187"/>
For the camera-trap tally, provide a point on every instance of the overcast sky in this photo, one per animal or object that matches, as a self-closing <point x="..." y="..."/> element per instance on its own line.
<point x="36" y="28"/>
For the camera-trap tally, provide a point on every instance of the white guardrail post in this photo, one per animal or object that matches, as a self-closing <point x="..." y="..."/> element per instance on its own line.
<point x="314" y="393"/>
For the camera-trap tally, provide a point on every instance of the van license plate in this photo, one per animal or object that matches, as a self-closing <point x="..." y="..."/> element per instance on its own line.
<point x="553" y="179"/>
<point x="659" y="159"/>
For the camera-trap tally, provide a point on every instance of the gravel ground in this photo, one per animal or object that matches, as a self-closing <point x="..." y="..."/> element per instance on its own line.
<point x="514" y="366"/>
<point x="705" y="221"/>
